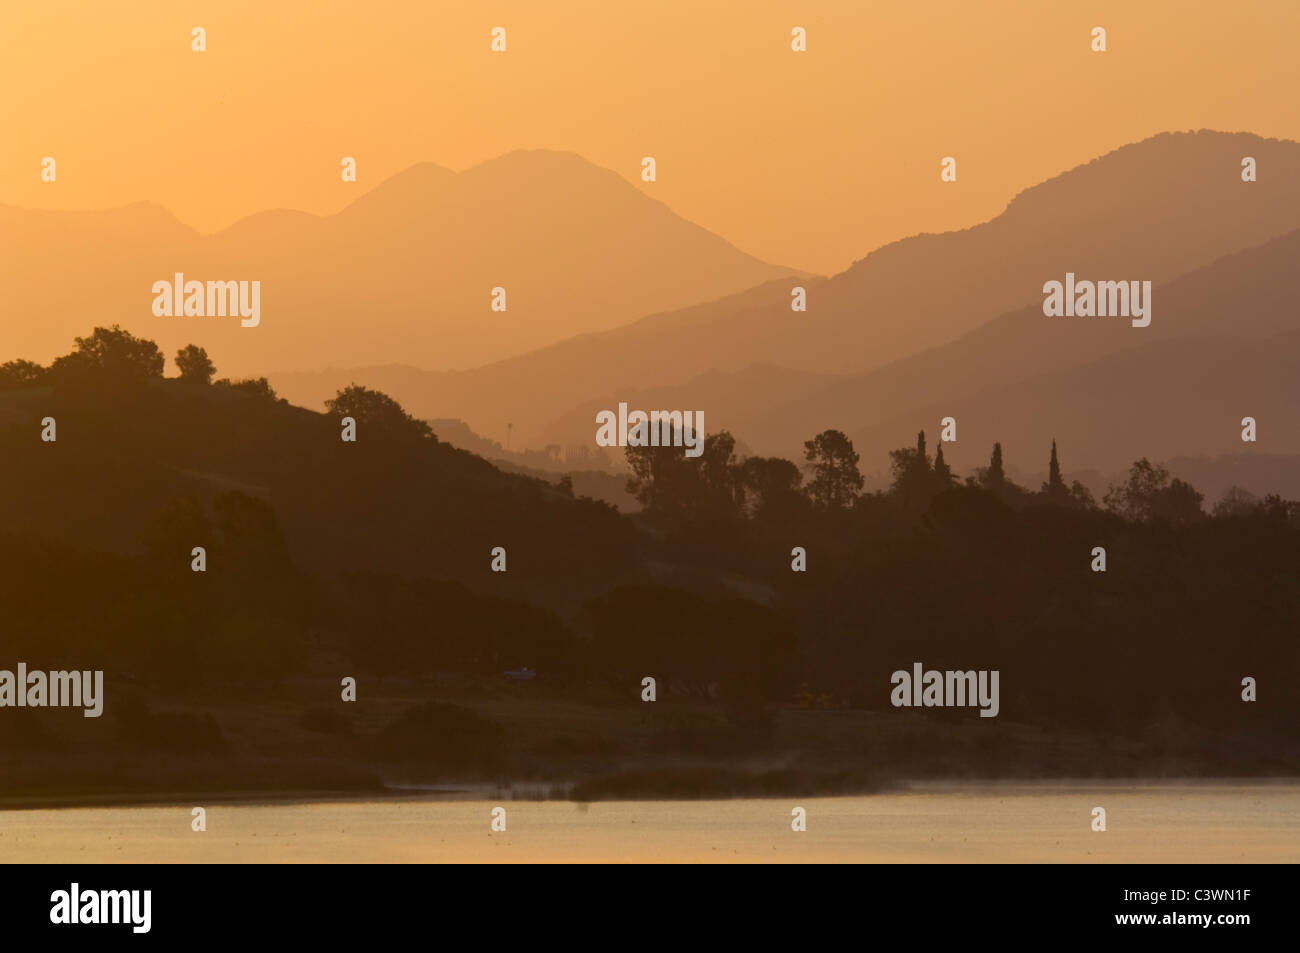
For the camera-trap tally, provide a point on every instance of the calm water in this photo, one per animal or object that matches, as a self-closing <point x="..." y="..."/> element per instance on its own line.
<point x="987" y="822"/>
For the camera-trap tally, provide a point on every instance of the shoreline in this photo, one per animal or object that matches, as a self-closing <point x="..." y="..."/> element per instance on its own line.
<point x="473" y="792"/>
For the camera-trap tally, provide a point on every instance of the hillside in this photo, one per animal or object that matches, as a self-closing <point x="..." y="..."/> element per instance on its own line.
<point x="322" y="558"/>
<point x="127" y="456"/>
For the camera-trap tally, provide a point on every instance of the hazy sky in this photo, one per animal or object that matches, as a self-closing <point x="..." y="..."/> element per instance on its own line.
<point x="805" y="159"/>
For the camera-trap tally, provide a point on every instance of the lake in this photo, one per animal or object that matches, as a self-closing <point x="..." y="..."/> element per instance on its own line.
<point x="979" y="822"/>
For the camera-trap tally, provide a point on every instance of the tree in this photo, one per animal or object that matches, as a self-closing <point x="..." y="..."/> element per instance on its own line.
<point x="1180" y="503"/>
<point x="1055" y="489"/>
<point x="377" y="413"/>
<point x="258" y="387"/>
<point x="193" y="363"/>
<point x="771" y="486"/>
<point x="20" y="373"/>
<point x="1133" y="499"/>
<point x="1082" y="496"/>
<point x="1236" y="502"/>
<point x="913" y="483"/>
<point x="994" y="477"/>
<point x="1276" y="508"/>
<point x="114" y="352"/>
<point x="1149" y="495"/>
<point x="666" y="481"/>
<point x="836" y="481"/>
<point x="719" y="473"/>
<point x="943" y="478"/>
<point x="658" y="477"/>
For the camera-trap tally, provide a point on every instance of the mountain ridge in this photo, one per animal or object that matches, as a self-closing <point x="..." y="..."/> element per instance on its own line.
<point x="941" y="286"/>
<point x="407" y="268"/>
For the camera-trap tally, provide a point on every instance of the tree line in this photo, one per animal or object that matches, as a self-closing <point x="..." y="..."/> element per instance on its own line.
<point x="718" y="485"/>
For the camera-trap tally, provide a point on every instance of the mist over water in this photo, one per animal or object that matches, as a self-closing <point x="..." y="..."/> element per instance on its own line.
<point x="1148" y="822"/>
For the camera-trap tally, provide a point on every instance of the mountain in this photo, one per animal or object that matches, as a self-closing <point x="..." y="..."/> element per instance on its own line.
<point x="531" y="390"/>
<point x="1215" y="352"/>
<point x="747" y="396"/>
<point x="405" y="272"/>
<point x="1221" y="346"/>
<point x="1160" y="401"/>
<point x="1152" y="210"/>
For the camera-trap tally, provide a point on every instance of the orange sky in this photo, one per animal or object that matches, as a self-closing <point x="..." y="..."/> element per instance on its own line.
<point x="809" y="160"/>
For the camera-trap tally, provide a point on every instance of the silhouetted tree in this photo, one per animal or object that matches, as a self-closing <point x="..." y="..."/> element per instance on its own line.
<point x="21" y="373"/>
<point x="913" y="480"/>
<point x="1148" y="494"/>
<point x="1285" y="511"/>
<point x="1236" y="502"/>
<point x="114" y="352"/>
<point x="720" y="474"/>
<point x="193" y="363"/>
<point x="943" y="478"/>
<point x="258" y="387"/>
<point x="1055" y="489"/>
<point x="771" y="486"/>
<point x="1180" y="503"/>
<point x="994" y="476"/>
<point x="836" y="481"/>
<point x="1082" y="496"/>
<point x="669" y="483"/>
<point x="377" y="414"/>
<point x="658" y="477"/>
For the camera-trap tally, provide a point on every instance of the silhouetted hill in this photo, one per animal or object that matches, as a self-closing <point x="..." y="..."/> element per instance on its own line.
<point x="1153" y="210"/>
<point x="372" y="559"/>
<point x="746" y="395"/>
<point x="1215" y="352"/>
<point x="1100" y="386"/>
<point x="1258" y="473"/>
<point x="1164" y="400"/>
<point x="403" y="273"/>
<point x="126" y="453"/>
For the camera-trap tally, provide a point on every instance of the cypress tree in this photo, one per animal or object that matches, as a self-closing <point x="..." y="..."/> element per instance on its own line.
<point x="942" y="472"/>
<point x="1055" y="485"/>
<point x="995" y="476"/>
